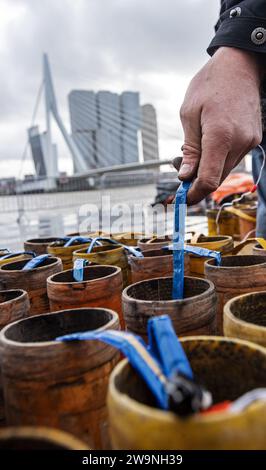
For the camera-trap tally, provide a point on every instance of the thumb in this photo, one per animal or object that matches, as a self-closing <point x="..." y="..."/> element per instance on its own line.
<point x="177" y="162"/>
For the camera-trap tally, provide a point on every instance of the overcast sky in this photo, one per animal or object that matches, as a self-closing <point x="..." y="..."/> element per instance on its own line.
<point x="151" y="46"/>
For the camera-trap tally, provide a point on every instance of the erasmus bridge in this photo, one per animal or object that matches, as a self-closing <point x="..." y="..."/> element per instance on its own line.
<point x="44" y="205"/>
<point x="82" y="170"/>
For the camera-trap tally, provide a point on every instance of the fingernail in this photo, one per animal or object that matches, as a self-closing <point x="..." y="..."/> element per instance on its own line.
<point x="185" y="169"/>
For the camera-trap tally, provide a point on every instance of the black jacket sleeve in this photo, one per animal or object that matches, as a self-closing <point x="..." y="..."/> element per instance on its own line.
<point x="241" y="24"/>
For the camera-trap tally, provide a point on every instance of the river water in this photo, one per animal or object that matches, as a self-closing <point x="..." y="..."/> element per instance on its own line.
<point x="39" y="215"/>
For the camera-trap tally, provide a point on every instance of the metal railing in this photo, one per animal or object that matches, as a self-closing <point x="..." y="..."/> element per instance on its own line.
<point x="39" y="195"/>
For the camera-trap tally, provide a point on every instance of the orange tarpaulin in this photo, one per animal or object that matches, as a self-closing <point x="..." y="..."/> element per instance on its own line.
<point x="236" y="183"/>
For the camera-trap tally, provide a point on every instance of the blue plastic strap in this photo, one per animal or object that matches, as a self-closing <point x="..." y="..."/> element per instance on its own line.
<point x="35" y="262"/>
<point x="167" y="248"/>
<point x="94" y="242"/>
<point x="179" y="240"/>
<point x="133" y="251"/>
<point x="78" y="270"/>
<point x="197" y="251"/>
<point x="134" y="348"/>
<point x="166" y="347"/>
<point x="77" y="239"/>
<point x="19" y="253"/>
<point x="204" y="252"/>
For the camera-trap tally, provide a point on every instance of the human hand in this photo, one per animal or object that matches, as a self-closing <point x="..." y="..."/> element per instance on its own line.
<point x="221" y="118"/>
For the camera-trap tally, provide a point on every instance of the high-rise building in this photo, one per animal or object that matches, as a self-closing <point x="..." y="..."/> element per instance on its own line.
<point x="38" y="150"/>
<point x="84" y="122"/>
<point x="130" y="110"/>
<point x="52" y="163"/>
<point x="106" y="127"/>
<point x="131" y="120"/>
<point x="83" y="110"/>
<point x="38" y="143"/>
<point x="108" y="136"/>
<point x="108" y="106"/>
<point x="84" y="140"/>
<point x="130" y="146"/>
<point x="150" y="144"/>
<point x="108" y="148"/>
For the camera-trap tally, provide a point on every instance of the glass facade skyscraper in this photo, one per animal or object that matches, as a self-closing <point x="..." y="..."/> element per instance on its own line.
<point x="105" y="126"/>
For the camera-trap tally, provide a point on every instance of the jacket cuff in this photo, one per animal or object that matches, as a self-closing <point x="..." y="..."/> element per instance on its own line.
<point x="241" y="32"/>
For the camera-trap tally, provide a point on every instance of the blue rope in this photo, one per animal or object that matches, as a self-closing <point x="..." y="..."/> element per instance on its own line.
<point x="179" y="240"/>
